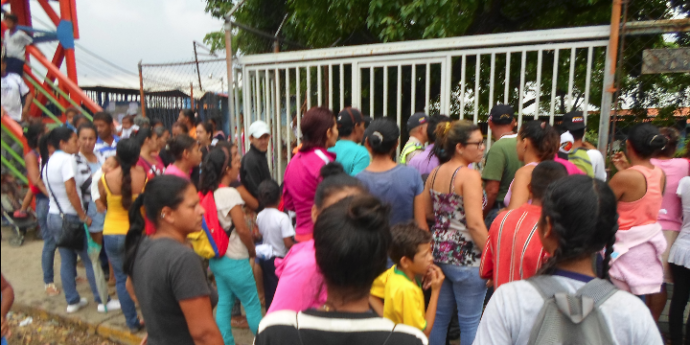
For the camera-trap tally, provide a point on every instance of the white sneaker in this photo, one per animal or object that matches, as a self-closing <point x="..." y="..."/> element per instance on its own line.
<point x="112" y="305"/>
<point x="73" y="308"/>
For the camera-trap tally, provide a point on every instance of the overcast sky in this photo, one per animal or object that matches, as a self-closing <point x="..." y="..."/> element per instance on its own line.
<point x="126" y="31"/>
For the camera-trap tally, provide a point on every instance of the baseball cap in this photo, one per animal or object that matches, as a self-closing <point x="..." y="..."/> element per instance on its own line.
<point x="573" y="121"/>
<point x="417" y="119"/>
<point x="567" y="141"/>
<point x="502" y="114"/>
<point x="349" y="117"/>
<point x="258" y="129"/>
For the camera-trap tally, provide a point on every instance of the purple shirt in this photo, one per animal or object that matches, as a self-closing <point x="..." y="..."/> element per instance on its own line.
<point x="424" y="163"/>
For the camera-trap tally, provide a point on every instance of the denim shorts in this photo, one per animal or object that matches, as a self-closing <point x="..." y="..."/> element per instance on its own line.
<point x="97" y="219"/>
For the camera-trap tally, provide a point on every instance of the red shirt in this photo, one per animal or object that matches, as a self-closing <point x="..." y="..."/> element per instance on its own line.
<point x="513" y="250"/>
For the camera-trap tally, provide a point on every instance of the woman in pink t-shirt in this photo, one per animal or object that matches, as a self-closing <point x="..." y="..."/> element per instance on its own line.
<point x="319" y="132"/>
<point x="187" y="153"/>
<point x="301" y="285"/>
<point x="671" y="213"/>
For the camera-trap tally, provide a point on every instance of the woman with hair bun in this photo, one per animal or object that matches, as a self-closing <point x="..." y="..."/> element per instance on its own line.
<point x="398" y="185"/>
<point x="187" y="153"/>
<point x="537" y="141"/>
<point x="453" y="198"/>
<point x="319" y="132"/>
<point x="351" y="240"/>
<point x="639" y="188"/>
<point x="578" y="221"/>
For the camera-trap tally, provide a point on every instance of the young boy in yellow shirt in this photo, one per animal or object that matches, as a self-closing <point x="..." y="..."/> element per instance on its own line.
<point x="400" y="286"/>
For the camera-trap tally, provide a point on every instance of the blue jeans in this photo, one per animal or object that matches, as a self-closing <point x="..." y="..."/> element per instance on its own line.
<point x="68" y="268"/>
<point x="49" y="248"/>
<point x="464" y="287"/>
<point x="235" y="278"/>
<point x="115" y="248"/>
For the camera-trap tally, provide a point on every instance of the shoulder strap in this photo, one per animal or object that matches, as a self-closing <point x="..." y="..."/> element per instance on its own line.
<point x="433" y="178"/>
<point x="599" y="290"/>
<point x="390" y="334"/>
<point x="451" y="189"/>
<point x="547" y="286"/>
<point x="62" y="214"/>
<point x="105" y="185"/>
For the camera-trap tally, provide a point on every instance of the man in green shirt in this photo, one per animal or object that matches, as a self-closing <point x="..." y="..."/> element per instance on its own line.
<point x="501" y="160"/>
<point x="348" y="152"/>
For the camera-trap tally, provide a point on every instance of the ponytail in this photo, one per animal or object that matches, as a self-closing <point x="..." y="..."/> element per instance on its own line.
<point x="135" y="235"/>
<point x="449" y="135"/>
<point x="127" y="155"/>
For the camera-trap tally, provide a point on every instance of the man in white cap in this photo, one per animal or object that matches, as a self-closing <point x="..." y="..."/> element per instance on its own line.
<point x="254" y="163"/>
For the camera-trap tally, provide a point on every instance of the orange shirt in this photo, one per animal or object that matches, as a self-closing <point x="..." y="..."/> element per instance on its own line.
<point x="513" y="250"/>
<point x="645" y="210"/>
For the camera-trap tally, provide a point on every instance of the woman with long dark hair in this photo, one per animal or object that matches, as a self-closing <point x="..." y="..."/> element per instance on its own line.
<point x="118" y="189"/>
<point x="453" y="198"/>
<point x="166" y="275"/>
<point x="578" y="221"/>
<point x="319" y="132"/>
<point x="233" y="272"/>
<point x="60" y="176"/>
<point x="351" y="238"/>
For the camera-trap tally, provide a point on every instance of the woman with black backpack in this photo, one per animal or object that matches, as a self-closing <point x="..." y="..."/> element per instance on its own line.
<point x="579" y="220"/>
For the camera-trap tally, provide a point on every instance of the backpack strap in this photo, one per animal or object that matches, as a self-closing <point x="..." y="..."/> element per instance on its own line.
<point x="576" y="306"/>
<point x="547" y="286"/>
<point x="599" y="290"/>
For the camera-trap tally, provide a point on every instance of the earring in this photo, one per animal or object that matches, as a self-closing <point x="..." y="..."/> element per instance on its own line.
<point x="162" y="215"/>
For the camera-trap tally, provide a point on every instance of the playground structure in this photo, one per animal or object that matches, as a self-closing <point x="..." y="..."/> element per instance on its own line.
<point x="54" y="91"/>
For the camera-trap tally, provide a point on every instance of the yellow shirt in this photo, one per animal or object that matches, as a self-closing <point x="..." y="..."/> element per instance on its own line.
<point x="116" y="217"/>
<point x="403" y="299"/>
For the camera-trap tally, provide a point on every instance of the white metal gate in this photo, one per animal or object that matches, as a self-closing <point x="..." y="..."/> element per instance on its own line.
<point x="274" y="86"/>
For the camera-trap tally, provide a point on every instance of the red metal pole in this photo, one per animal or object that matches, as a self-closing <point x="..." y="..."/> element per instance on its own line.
<point x="57" y="61"/>
<point x="74" y="90"/>
<point x="50" y="12"/>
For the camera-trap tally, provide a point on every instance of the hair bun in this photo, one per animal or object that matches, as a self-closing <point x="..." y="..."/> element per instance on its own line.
<point x="658" y="141"/>
<point x="331" y="169"/>
<point x="369" y="212"/>
<point x="375" y="139"/>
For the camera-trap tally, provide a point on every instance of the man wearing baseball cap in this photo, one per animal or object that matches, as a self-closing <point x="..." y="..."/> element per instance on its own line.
<point x="254" y="168"/>
<point x="416" y="126"/>
<point x="348" y="151"/>
<point x="574" y="123"/>
<point x="501" y="160"/>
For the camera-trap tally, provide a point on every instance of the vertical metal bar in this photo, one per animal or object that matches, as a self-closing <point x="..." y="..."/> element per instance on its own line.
<point x="398" y="107"/>
<point x="607" y="98"/>
<point x="521" y="95"/>
<point x="356" y="95"/>
<point x="413" y="88"/>
<point x="308" y="87"/>
<point x="342" y="86"/>
<point x="237" y="128"/>
<point x="288" y="115"/>
<point x="385" y="91"/>
<point x="267" y="99"/>
<point x="427" y="82"/>
<point x="588" y="78"/>
<point x="477" y="76"/>
<point x="506" y="95"/>
<point x="371" y="91"/>
<point x="246" y="102"/>
<point x="536" y="101"/>
<point x="330" y="87"/>
<point x="445" y="84"/>
<point x="257" y="88"/>
<point x="554" y="80"/>
<point x="298" y="102"/>
<point x="492" y="75"/>
<point x="571" y="79"/>
<point x="279" y="131"/>
<point x="462" y="87"/>
<point x="320" y="91"/>
<point x="269" y="118"/>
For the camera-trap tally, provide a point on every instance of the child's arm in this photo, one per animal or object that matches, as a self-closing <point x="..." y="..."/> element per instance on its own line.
<point x="376" y="304"/>
<point x="289" y="242"/>
<point x="7" y="300"/>
<point x="437" y="278"/>
<point x="287" y="231"/>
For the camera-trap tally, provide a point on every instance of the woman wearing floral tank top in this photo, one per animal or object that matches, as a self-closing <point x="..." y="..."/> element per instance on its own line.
<point x="454" y="200"/>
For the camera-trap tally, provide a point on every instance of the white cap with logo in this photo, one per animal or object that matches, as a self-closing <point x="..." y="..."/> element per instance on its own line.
<point x="258" y="129"/>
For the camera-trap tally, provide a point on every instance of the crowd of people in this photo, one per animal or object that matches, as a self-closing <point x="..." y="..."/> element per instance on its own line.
<point x="359" y="245"/>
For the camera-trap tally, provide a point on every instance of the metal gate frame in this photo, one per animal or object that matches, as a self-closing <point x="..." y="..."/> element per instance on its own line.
<point x="266" y="100"/>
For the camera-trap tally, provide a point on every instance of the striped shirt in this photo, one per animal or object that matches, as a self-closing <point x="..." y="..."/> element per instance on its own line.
<point x="103" y="150"/>
<point x="513" y="250"/>
<point x="313" y="327"/>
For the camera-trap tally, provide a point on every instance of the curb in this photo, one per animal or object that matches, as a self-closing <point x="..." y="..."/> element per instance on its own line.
<point x="117" y="335"/>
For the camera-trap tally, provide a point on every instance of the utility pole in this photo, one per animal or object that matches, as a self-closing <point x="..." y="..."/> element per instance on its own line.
<point x="198" y="72"/>
<point x="142" y="97"/>
<point x="231" y="80"/>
